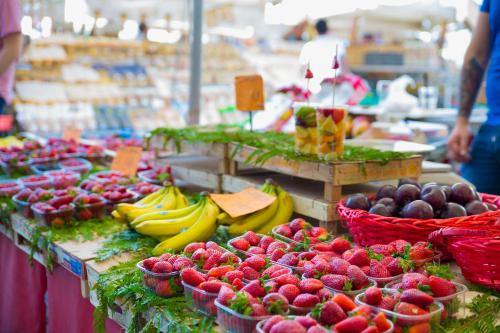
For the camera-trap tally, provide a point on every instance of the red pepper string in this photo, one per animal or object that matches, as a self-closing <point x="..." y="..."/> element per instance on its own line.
<point x="309" y="75"/>
<point x="335" y="66"/>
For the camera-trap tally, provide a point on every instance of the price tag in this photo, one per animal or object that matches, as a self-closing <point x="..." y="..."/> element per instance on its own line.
<point x="127" y="160"/>
<point x="245" y="202"/>
<point x="72" y="133"/>
<point x="249" y="93"/>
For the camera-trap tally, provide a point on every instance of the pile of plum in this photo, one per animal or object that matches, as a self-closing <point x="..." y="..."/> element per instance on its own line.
<point x="410" y="200"/>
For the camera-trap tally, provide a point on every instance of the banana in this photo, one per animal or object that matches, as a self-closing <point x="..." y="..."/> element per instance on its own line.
<point x="283" y="213"/>
<point x="255" y="220"/>
<point x="200" y="231"/>
<point x="165" y="214"/>
<point x="225" y="219"/>
<point x="169" y="227"/>
<point x="180" y="199"/>
<point x="167" y="202"/>
<point x="148" y="201"/>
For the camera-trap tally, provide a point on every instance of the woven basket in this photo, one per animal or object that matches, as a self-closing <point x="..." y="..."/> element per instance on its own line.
<point x="369" y="229"/>
<point x="476" y="251"/>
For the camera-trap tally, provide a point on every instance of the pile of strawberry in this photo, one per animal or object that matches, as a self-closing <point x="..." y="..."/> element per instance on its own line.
<point x="260" y="267"/>
<point x="251" y="243"/>
<point x="299" y="232"/>
<point x="344" y="316"/>
<point x="299" y="324"/>
<point x="161" y="274"/>
<point x="209" y="255"/>
<point x="411" y="302"/>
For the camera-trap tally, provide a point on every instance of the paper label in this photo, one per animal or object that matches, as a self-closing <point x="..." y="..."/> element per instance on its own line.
<point x="72" y="133"/>
<point x="249" y="93"/>
<point x="245" y="202"/>
<point x="127" y="160"/>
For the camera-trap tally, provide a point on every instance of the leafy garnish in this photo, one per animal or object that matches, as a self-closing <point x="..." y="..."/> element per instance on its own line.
<point x="347" y="285"/>
<point x="442" y="271"/>
<point x="240" y="304"/>
<point x="373" y="255"/>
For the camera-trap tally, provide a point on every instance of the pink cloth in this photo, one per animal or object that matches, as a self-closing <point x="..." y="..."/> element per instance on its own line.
<point x="22" y="290"/>
<point x="10" y="22"/>
<point x="68" y="311"/>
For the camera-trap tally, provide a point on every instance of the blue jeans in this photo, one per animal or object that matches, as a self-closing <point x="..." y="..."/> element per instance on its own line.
<point x="483" y="170"/>
<point x="3" y="106"/>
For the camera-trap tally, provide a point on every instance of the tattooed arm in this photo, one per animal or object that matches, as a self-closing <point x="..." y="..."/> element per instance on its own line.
<point x="475" y="62"/>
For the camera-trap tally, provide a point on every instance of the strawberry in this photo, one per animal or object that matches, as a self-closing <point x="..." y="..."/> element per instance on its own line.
<point x="338" y="115"/>
<point x="310" y="285"/>
<point x="199" y="255"/>
<point x="441" y="287"/>
<point x="150" y="262"/>
<point x="399" y="245"/>
<point x="165" y="256"/>
<point x="358" y="278"/>
<point x="255" y="289"/>
<point x="271" y="286"/>
<point x="252" y="238"/>
<point x="409" y="309"/>
<point x="344" y="302"/>
<point x="420" y="253"/>
<point x="256" y="262"/>
<point x="265" y="241"/>
<point x="306" y="321"/>
<point x="162" y="267"/>
<point x="387" y="303"/>
<point x="394" y="266"/>
<point x="191" y="247"/>
<point x="238" y="284"/>
<point x="362" y="310"/>
<point x="334" y="281"/>
<point x="339" y="266"/>
<point x="284" y="230"/>
<point x="373" y="296"/>
<point x="231" y="275"/>
<point x="228" y="258"/>
<point x="287" y="279"/>
<point x="322" y="247"/>
<point x="214" y="246"/>
<point x="182" y="263"/>
<point x="240" y="244"/>
<point x="366" y="270"/>
<point x="268" y="324"/>
<point x="172" y="259"/>
<point x="219" y="272"/>
<point x="417" y="297"/>
<point x="330" y="313"/>
<point x="359" y="258"/>
<point x="279" y="272"/>
<point x="192" y="277"/>
<point x="164" y="289"/>
<point x="320" y="233"/>
<point x="290" y="291"/>
<point x="370" y="329"/>
<point x="289" y="259"/>
<point x="250" y="274"/>
<point x="413" y="280"/>
<point x="258" y="310"/>
<point x="275" y="303"/>
<point x="212" y="260"/>
<point x="420" y="328"/>
<point x="277" y="254"/>
<point x="352" y="324"/>
<point x="381" y="321"/>
<point x="288" y="326"/>
<point x="377" y="270"/>
<point x="256" y="250"/>
<point x="382" y="249"/>
<point x="324" y="294"/>
<point x="298" y="224"/>
<point x="213" y="286"/>
<point x="306" y="301"/>
<point x="275" y="245"/>
<point x="272" y="269"/>
<point x="316" y="329"/>
<point x="306" y="255"/>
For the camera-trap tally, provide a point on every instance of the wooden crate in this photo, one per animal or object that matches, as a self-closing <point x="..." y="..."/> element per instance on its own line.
<point x="199" y="170"/>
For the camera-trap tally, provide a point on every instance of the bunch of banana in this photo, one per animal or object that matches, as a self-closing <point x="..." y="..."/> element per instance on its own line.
<point x="166" y="198"/>
<point x="10" y="141"/>
<point x="196" y="223"/>
<point x="264" y="220"/>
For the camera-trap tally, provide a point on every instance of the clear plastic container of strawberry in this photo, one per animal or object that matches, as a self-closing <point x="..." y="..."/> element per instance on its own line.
<point x="302" y="323"/>
<point x="44" y="156"/>
<point x="200" y="300"/>
<point x="210" y="255"/>
<point x="94" y="154"/>
<point x="157" y="176"/>
<point x="9" y="188"/>
<point x="89" y="206"/>
<point x="259" y="267"/>
<point x="63" y="179"/>
<point x="34" y="182"/>
<point x="78" y="165"/>
<point x="53" y="215"/>
<point x="143" y="189"/>
<point x="404" y="314"/>
<point x="251" y="243"/>
<point x="350" y="286"/>
<point x="301" y="234"/>
<point x="22" y="204"/>
<point x="115" y="194"/>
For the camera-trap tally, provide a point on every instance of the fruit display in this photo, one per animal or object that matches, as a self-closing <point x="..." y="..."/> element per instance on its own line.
<point x="63" y="179"/>
<point x="78" y="165"/>
<point x="158" y="175"/>
<point x="94" y="154"/>
<point x="162" y="274"/>
<point x="116" y="194"/>
<point x="331" y="132"/>
<point x="288" y="324"/>
<point x="306" y="131"/>
<point x="112" y="177"/>
<point x="9" y="188"/>
<point x="89" y="206"/>
<point x="210" y="255"/>
<point x="15" y="163"/>
<point x="451" y="294"/>
<point x="35" y="182"/>
<point x="298" y="232"/>
<point x="430" y="201"/>
<point x="55" y="212"/>
<point x="252" y="243"/>
<point x="264" y="220"/>
<point x="144" y="188"/>
<point x="412" y="310"/>
<point x="45" y="155"/>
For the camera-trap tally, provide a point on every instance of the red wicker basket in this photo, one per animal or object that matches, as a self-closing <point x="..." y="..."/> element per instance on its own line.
<point x="368" y="229"/>
<point x="476" y="251"/>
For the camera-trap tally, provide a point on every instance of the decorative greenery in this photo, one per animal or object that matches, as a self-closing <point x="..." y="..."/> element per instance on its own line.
<point x="126" y="241"/>
<point x="266" y="144"/>
<point x="7" y="207"/>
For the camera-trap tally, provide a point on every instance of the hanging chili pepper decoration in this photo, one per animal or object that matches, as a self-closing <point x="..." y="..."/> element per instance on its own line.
<point x="309" y="75"/>
<point x="335" y="66"/>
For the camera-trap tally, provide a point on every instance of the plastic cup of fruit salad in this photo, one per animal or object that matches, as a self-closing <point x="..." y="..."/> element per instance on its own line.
<point x="9" y="188"/>
<point x="331" y="131"/>
<point x="306" y="132"/>
<point x="79" y="165"/>
<point x="162" y="284"/>
<point x="57" y="217"/>
<point x="200" y="300"/>
<point x="234" y="322"/>
<point x="34" y="182"/>
<point x="403" y="321"/>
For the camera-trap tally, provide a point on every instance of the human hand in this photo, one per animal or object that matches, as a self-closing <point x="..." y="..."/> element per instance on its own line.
<point x="459" y="140"/>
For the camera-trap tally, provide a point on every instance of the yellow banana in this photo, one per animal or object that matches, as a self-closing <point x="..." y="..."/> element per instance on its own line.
<point x="180" y="199"/>
<point x="255" y="220"/>
<point x="148" y="201"/>
<point x="283" y="213"/>
<point x="165" y="214"/>
<point x="225" y="219"/>
<point x="169" y="227"/>
<point x="200" y="231"/>
<point x="167" y="203"/>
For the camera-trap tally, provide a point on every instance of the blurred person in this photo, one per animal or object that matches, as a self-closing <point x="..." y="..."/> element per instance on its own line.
<point x="318" y="54"/>
<point x="481" y="160"/>
<point x="10" y="48"/>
